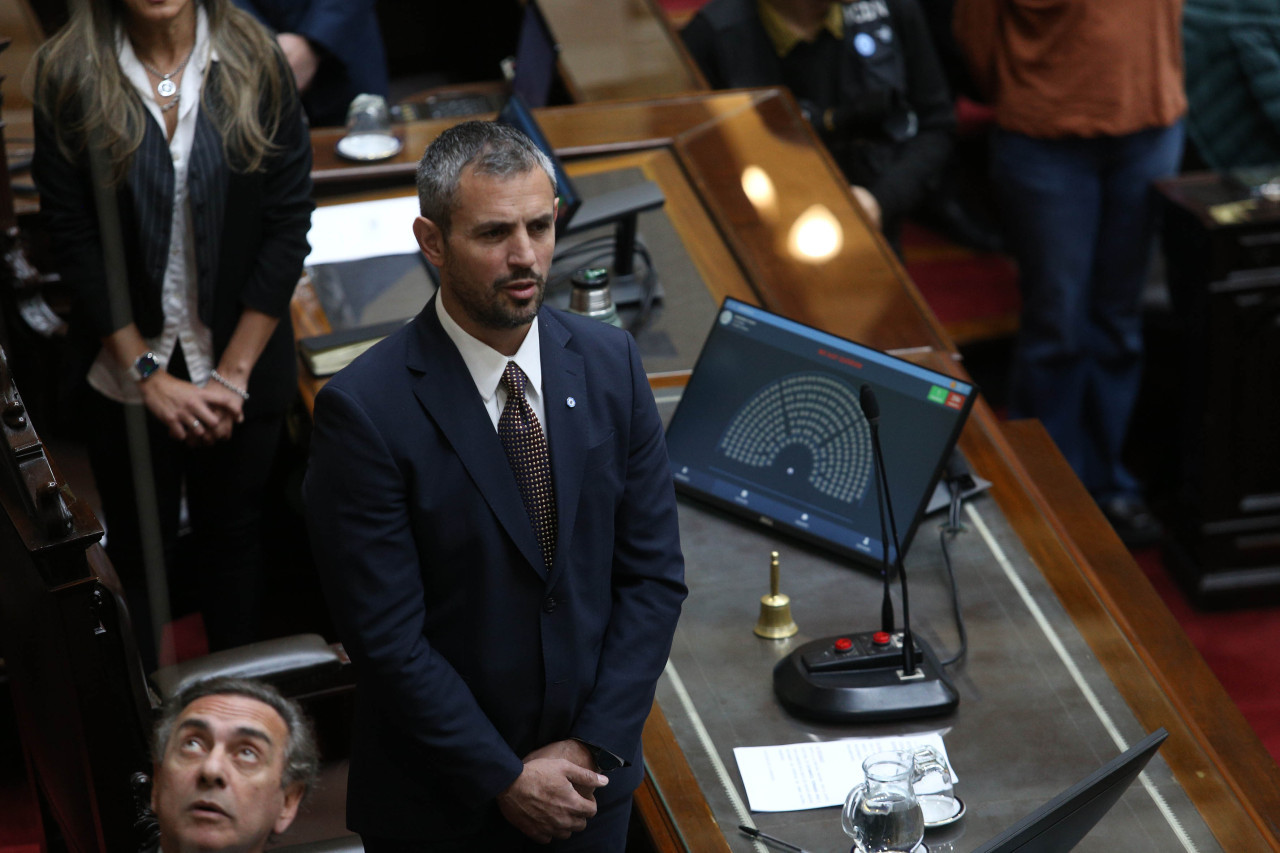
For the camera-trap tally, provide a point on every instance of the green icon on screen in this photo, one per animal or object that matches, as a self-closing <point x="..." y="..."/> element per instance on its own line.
<point x="938" y="394"/>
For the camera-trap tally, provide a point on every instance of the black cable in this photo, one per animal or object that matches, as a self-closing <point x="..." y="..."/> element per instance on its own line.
<point x="569" y="253"/>
<point x="566" y="250"/>
<point x="591" y="261"/>
<point x="908" y="642"/>
<point x="947" y="532"/>
<point x="595" y="244"/>
<point x="648" y="289"/>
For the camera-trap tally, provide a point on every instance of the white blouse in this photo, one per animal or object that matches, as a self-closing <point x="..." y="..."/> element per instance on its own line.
<point x="182" y="325"/>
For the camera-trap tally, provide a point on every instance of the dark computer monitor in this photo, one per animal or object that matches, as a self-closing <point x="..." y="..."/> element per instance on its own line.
<point x="517" y="114"/>
<point x="770" y="427"/>
<point x="535" y="60"/>
<point x="1058" y="825"/>
<point x="531" y="73"/>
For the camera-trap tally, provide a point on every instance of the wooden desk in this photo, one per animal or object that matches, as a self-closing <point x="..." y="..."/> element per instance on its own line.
<point x="1222" y="247"/>
<point x="616" y="49"/>
<point x="701" y="146"/>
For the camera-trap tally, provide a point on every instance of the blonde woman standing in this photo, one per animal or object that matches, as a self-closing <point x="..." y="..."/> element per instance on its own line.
<point x="170" y="147"/>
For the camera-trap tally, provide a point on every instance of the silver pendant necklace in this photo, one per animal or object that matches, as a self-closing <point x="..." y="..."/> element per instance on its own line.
<point x="166" y="88"/>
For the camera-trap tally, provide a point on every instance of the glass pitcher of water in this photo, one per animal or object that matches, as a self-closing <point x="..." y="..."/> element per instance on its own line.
<point x="883" y="815"/>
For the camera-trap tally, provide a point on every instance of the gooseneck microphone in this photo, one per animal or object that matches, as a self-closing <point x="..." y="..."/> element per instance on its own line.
<point x="861" y="676"/>
<point x="871" y="410"/>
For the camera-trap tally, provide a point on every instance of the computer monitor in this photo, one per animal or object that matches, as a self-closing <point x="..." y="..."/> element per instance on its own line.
<point x="536" y="53"/>
<point x="530" y="73"/>
<point x="770" y="427"/>
<point x="517" y="114"/>
<point x="1058" y="825"/>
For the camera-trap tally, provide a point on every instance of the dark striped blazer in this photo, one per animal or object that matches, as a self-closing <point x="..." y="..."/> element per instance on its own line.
<point x="250" y="235"/>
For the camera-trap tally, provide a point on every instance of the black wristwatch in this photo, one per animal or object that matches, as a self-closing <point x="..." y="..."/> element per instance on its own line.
<point x="143" y="366"/>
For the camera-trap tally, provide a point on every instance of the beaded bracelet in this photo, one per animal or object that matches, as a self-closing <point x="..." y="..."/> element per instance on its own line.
<point x="218" y="377"/>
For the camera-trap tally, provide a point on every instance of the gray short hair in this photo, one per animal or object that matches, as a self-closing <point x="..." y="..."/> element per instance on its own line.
<point x="301" y="756"/>
<point x="496" y="149"/>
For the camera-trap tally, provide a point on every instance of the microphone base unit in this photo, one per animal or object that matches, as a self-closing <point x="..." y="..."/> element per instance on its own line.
<point x="859" y="678"/>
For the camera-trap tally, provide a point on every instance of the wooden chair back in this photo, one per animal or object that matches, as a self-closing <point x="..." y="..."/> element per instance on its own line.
<point x="79" y="696"/>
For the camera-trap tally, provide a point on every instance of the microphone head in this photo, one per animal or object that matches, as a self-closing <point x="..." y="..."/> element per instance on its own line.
<point x="870" y="407"/>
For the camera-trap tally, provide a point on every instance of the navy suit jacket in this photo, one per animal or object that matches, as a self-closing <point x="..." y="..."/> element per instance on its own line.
<point x="470" y="653"/>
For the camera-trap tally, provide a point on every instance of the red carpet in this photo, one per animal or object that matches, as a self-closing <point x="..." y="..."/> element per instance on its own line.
<point x="974" y="294"/>
<point x="20" y="829"/>
<point x="182" y="639"/>
<point x="1239" y="646"/>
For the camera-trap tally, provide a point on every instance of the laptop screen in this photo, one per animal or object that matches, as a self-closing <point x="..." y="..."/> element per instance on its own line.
<point x="1061" y="823"/>
<point x="770" y="427"/>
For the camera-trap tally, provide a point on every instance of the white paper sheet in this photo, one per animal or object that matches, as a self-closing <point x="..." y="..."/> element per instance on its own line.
<point x="362" y="229"/>
<point x="816" y="775"/>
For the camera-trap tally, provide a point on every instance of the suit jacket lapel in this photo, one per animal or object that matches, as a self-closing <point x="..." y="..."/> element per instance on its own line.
<point x="564" y="385"/>
<point x="445" y="389"/>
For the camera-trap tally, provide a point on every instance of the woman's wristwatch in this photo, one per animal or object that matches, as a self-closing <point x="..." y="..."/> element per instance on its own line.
<point x="143" y="366"/>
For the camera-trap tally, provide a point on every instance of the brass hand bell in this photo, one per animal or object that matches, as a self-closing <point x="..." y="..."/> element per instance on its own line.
<point x="775" y="621"/>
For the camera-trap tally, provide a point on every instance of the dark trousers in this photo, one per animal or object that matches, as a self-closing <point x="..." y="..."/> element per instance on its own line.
<point x="1080" y="217"/>
<point x="225" y="490"/>
<point x="606" y="832"/>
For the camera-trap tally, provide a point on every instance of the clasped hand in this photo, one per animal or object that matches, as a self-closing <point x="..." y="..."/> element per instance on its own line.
<point x="554" y="796"/>
<point x="193" y="415"/>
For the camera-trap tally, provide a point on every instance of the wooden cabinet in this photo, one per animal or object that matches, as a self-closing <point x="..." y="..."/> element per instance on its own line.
<point x="1222" y="243"/>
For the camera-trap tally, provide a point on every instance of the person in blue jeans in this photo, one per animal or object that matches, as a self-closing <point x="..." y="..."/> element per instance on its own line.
<point x="1081" y="217"/>
<point x="1089" y="101"/>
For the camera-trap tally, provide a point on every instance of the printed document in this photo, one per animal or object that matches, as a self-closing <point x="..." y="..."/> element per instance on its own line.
<point x="816" y="775"/>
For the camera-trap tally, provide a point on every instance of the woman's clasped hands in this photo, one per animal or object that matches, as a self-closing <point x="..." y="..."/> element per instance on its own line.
<point x="198" y="416"/>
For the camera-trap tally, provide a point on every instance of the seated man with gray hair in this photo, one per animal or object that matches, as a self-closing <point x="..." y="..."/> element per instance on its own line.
<point x="233" y="761"/>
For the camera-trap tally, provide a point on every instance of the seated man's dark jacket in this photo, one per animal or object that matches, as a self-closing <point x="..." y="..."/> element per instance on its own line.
<point x="470" y="652"/>
<point x="895" y="71"/>
<point x="346" y="36"/>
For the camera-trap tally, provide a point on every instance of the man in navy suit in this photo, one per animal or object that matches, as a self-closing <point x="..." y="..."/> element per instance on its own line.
<point x="507" y="656"/>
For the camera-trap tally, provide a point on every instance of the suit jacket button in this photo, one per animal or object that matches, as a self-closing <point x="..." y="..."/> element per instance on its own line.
<point x="548" y="604"/>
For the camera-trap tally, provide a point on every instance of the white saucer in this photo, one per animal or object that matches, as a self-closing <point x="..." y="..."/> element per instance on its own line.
<point x="919" y="848"/>
<point x="369" y="146"/>
<point x="946" y="820"/>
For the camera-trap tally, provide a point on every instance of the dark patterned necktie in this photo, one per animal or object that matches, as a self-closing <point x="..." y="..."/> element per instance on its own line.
<point x="526" y="448"/>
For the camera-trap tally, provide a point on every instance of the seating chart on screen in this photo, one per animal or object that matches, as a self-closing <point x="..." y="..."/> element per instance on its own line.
<point x="769" y="427"/>
<point x="808" y="428"/>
